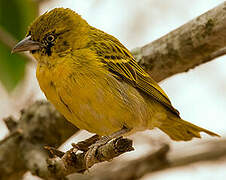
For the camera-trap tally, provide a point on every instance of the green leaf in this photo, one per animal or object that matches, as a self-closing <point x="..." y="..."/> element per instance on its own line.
<point x="15" y="17"/>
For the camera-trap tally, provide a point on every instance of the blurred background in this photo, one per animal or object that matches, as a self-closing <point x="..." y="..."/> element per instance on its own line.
<point x="199" y="95"/>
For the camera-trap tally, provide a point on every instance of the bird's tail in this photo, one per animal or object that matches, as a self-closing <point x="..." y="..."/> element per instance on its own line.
<point x="181" y="130"/>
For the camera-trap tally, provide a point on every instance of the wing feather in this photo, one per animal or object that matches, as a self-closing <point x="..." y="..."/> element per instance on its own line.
<point x="121" y="62"/>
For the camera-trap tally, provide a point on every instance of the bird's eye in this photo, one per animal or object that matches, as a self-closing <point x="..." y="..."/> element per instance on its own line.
<point x="50" y="38"/>
<point x="28" y="34"/>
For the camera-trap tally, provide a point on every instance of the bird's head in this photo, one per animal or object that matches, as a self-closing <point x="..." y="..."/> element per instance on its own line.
<point x="54" y="33"/>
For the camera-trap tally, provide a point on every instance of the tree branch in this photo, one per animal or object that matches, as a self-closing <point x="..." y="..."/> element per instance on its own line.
<point x="39" y="125"/>
<point x="196" y="42"/>
<point x="159" y="161"/>
<point x="72" y="162"/>
<point x="190" y="45"/>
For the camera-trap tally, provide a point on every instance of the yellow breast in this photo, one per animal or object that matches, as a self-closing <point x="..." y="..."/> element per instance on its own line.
<point x="96" y="102"/>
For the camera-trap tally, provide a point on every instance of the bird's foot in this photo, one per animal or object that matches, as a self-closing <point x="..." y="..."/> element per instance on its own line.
<point x="91" y="153"/>
<point x="84" y="145"/>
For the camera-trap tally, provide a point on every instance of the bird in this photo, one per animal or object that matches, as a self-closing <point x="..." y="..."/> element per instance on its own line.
<point x="94" y="81"/>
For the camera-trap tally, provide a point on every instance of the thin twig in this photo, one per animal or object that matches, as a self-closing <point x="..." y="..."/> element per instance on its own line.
<point x="72" y="162"/>
<point x="7" y="39"/>
<point x="18" y="132"/>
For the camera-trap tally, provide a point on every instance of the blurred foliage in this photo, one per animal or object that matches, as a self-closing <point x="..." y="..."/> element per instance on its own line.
<point x="15" y="17"/>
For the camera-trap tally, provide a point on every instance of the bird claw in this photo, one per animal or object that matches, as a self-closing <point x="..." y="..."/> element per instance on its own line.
<point x="90" y="156"/>
<point x="91" y="153"/>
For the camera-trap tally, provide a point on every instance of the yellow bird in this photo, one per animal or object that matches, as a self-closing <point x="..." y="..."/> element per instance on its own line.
<point x="96" y="83"/>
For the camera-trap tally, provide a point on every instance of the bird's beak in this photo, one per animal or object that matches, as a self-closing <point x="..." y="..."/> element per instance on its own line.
<point x="26" y="45"/>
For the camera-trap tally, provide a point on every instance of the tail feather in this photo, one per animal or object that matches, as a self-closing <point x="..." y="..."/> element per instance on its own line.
<point x="181" y="130"/>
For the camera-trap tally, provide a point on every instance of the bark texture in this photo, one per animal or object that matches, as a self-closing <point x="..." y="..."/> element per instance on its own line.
<point x="192" y="44"/>
<point x="23" y="150"/>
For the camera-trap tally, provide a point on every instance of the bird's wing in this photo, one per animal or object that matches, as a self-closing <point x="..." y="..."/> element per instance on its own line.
<point x="122" y="64"/>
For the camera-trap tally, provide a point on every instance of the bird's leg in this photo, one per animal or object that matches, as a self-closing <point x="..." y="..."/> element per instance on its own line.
<point x="90" y="154"/>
